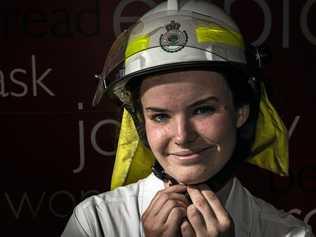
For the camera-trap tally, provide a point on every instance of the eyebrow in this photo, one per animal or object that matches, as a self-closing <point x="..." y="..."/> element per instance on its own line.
<point x="196" y="103"/>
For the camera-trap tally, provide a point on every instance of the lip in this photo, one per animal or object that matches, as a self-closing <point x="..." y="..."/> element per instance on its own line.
<point x="189" y="154"/>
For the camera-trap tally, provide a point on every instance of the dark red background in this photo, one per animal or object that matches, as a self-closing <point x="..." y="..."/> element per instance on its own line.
<point x="39" y="133"/>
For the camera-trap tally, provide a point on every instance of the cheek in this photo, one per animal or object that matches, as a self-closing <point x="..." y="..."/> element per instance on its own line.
<point x="217" y="128"/>
<point x="156" y="136"/>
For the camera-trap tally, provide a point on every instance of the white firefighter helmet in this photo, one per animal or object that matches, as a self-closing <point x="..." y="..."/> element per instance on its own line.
<point x="175" y="34"/>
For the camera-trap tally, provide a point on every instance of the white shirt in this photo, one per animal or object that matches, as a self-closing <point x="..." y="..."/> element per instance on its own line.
<point x="118" y="213"/>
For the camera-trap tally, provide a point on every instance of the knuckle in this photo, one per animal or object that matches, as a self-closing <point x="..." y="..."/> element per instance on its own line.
<point x="212" y="196"/>
<point x="163" y="196"/>
<point x="192" y="212"/>
<point x="201" y="203"/>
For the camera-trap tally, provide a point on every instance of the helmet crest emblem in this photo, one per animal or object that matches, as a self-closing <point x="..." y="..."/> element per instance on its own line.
<point x="173" y="40"/>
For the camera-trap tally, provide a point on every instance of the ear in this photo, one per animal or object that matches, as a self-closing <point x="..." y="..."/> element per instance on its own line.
<point x="242" y="115"/>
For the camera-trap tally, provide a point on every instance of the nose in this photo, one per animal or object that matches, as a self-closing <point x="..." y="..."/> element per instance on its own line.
<point x="184" y="131"/>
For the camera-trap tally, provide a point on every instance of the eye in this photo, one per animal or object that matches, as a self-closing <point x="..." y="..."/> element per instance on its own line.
<point x="204" y="110"/>
<point x="160" y="118"/>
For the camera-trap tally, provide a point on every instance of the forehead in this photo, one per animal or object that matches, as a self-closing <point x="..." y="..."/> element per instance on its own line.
<point x="184" y="86"/>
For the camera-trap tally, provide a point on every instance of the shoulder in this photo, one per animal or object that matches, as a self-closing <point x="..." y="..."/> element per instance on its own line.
<point x="278" y="222"/>
<point x="106" y="213"/>
<point x="269" y="221"/>
<point x="113" y="198"/>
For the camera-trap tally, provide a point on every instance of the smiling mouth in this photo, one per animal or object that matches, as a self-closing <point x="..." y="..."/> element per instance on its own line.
<point x="190" y="152"/>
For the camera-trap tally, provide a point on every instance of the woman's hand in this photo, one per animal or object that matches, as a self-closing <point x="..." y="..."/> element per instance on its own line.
<point x="166" y="212"/>
<point x="206" y="216"/>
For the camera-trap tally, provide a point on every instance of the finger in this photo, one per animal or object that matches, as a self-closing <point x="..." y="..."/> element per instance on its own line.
<point x="181" y="198"/>
<point x="167" y="208"/>
<point x="162" y="196"/>
<point x="186" y="229"/>
<point x="201" y="203"/>
<point x="175" y="219"/>
<point x="220" y="212"/>
<point x="196" y="220"/>
<point x="178" y="188"/>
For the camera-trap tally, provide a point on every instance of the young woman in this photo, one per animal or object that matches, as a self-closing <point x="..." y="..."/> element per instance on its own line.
<point x="193" y="92"/>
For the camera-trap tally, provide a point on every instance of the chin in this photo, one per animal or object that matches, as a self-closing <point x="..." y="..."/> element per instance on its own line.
<point x="192" y="177"/>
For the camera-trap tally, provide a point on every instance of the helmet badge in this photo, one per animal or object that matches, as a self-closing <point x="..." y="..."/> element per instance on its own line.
<point x="173" y="40"/>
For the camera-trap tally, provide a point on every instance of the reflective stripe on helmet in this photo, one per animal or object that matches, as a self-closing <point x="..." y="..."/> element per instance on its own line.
<point x="218" y="35"/>
<point x="137" y="44"/>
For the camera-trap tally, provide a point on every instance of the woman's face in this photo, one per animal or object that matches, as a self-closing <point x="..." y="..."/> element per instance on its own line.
<point x="190" y="123"/>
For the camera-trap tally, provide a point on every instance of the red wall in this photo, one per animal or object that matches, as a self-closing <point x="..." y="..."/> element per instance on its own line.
<point x="56" y="149"/>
